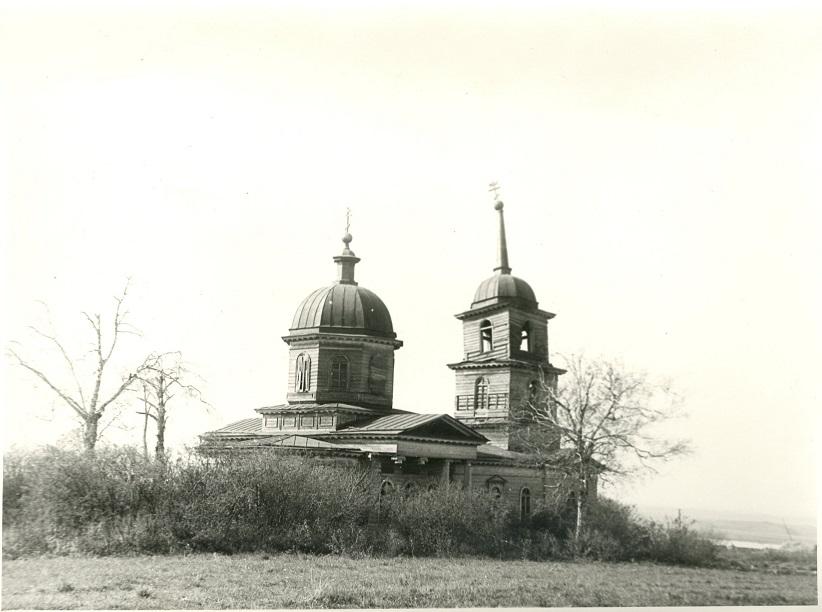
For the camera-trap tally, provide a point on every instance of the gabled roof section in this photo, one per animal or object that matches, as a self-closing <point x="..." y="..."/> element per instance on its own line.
<point x="411" y="424"/>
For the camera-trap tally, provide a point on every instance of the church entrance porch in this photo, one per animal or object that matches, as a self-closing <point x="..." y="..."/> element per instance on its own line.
<point x="408" y="475"/>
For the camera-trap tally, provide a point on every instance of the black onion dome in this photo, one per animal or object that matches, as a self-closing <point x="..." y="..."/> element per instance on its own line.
<point x="347" y="307"/>
<point x="503" y="287"/>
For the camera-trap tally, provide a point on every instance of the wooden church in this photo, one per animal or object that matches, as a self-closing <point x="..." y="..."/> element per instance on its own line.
<point x="339" y="404"/>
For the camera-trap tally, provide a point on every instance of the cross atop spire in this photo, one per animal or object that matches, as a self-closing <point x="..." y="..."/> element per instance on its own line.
<point x="502" y="251"/>
<point x="494" y="187"/>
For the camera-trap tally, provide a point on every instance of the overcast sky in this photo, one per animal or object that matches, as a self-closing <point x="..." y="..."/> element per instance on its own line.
<point x="659" y="164"/>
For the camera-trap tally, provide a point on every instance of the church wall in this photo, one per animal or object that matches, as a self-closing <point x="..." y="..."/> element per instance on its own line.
<point x="498" y="380"/>
<point x="497" y="435"/>
<point x="544" y="487"/>
<point x="499" y="337"/>
<point x="538" y="336"/>
<point x="364" y="375"/>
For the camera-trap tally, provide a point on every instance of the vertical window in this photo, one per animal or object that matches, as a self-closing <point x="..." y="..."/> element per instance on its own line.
<point x="339" y="373"/>
<point x="496" y="492"/>
<point x="302" y="378"/>
<point x="525" y="338"/>
<point x="524" y="503"/>
<point x="486" y="337"/>
<point x="481" y="393"/>
<point x="377" y="374"/>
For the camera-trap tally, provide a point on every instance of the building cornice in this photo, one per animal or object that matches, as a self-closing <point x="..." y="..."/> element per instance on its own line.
<point x="506" y="363"/>
<point x="484" y="310"/>
<point x="338" y="336"/>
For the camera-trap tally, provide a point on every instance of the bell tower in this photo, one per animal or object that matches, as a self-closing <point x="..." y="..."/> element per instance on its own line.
<point x="505" y="350"/>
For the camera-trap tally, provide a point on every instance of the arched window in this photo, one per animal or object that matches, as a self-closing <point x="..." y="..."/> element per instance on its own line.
<point x="486" y="336"/>
<point x="339" y="373"/>
<point x="302" y="373"/>
<point x="481" y="393"/>
<point x="525" y="338"/>
<point x="496" y="491"/>
<point x="410" y="489"/>
<point x="524" y="503"/>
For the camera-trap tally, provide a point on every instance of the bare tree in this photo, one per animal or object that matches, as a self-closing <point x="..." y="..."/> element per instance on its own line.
<point x="596" y="423"/>
<point x="88" y="398"/>
<point x="163" y="377"/>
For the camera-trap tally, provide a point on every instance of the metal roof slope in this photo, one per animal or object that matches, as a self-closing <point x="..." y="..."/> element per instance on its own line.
<point x="304" y="442"/>
<point x="246" y="426"/>
<point x="397" y="424"/>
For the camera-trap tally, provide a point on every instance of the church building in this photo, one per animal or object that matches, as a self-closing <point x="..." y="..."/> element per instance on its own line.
<point x="339" y="403"/>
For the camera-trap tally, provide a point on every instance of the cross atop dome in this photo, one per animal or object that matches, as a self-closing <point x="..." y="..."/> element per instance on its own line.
<point x="347" y="260"/>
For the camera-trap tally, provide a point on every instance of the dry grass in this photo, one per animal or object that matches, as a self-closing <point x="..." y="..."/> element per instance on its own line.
<point x="298" y="581"/>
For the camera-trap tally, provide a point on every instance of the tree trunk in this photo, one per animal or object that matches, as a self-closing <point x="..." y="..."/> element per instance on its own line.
<point x="145" y="434"/>
<point x="90" y="432"/>
<point x="578" y="526"/>
<point x="160" y="447"/>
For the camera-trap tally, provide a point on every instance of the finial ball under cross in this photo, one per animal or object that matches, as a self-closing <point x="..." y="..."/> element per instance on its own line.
<point x="347" y="238"/>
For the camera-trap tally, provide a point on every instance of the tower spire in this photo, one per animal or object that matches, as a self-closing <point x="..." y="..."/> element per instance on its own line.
<point x="502" y="251"/>
<point x="346" y="260"/>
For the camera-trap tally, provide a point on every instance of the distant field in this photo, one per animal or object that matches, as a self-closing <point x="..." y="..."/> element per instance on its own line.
<point x="764" y="532"/>
<point x="297" y="581"/>
<point x="761" y="529"/>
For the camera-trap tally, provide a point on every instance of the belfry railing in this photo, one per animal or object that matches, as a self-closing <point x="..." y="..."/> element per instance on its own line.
<point x="486" y="401"/>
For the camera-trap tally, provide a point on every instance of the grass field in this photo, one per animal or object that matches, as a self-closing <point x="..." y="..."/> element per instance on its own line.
<point x="298" y="581"/>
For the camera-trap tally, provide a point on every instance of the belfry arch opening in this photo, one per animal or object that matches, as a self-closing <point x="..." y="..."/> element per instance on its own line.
<point x="486" y="336"/>
<point x="525" y="338"/>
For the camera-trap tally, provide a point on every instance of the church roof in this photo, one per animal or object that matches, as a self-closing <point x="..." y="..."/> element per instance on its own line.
<point x="503" y="287"/>
<point x="407" y="424"/>
<point x="344" y="307"/>
<point x="239" y="428"/>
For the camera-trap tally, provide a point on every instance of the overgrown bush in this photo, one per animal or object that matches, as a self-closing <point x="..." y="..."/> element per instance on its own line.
<point x="448" y="521"/>
<point x="614" y="532"/>
<point x="678" y="543"/>
<point x="115" y="502"/>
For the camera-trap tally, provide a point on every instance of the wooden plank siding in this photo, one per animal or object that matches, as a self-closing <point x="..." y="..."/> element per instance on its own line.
<point x="359" y="359"/>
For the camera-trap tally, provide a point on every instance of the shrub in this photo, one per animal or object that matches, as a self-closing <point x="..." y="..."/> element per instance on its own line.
<point x="15" y="471"/>
<point x="448" y="521"/>
<point x="678" y="543"/>
<point x="614" y="532"/>
<point x="115" y="502"/>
